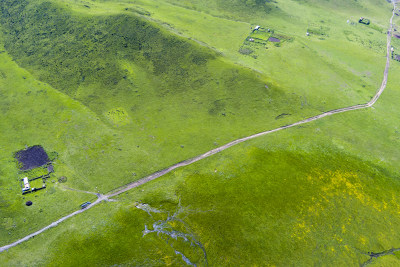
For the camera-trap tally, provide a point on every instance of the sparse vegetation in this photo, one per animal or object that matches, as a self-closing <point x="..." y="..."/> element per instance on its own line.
<point x="245" y="51"/>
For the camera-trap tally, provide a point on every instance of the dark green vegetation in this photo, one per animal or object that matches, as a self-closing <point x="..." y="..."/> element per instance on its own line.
<point x="70" y="51"/>
<point x="124" y="63"/>
<point x="97" y="60"/>
<point x="134" y="78"/>
<point x="121" y="89"/>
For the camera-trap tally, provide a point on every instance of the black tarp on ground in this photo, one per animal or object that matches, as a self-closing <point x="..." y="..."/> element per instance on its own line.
<point x="32" y="157"/>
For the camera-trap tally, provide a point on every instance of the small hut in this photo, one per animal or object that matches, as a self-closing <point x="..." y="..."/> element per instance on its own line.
<point x="256" y="28"/>
<point x="364" y="21"/>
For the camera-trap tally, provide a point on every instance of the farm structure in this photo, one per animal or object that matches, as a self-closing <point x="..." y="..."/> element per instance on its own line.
<point x="262" y="37"/>
<point x="26" y="187"/>
<point x="256" y="28"/>
<point x="395" y="47"/>
<point x="364" y="21"/>
<point x="34" y="162"/>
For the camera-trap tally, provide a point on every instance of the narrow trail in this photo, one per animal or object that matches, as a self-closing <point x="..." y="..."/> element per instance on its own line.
<point x="158" y="174"/>
<point x="83" y="191"/>
<point x="54" y="224"/>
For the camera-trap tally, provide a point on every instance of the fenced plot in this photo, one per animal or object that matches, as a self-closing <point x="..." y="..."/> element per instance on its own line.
<point x="263" y="38"/>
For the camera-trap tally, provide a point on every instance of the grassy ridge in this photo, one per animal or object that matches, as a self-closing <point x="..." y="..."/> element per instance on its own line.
<point x="71" y="51"/>
<point x="146" y="74"/>
<point x="341" y="79"/>
<point x="143" y="70"/>
<point x="133" y="82"/>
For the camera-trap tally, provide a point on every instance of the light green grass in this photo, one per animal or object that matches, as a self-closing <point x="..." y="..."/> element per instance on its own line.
<point x="339" y="78"/>
<point x="294" y="197"/>
<point x="282" y="199"/>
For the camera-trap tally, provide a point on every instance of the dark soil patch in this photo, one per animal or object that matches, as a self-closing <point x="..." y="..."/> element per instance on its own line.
<point x="32" y="157"/>
<point x="28" y="203"/>
<point x="274" y="39"/>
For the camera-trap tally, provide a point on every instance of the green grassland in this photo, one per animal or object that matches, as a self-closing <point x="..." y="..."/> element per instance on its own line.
<point x="120" y="89"/>
<point x="86" y="75"/>
<point x="321" y="58"/>
<point x="318" y="194"/>
<point x="106" y="66"/>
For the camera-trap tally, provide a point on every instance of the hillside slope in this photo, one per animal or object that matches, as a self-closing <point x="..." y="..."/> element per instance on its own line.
<point x="120" y="89"/>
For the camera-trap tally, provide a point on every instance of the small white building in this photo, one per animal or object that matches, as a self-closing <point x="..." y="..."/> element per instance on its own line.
<point x="257" y="28"/>
<point x="26" y="184"/>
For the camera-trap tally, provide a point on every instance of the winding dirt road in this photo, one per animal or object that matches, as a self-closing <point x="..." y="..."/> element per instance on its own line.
<point x="238" y="141"/>
<point x="158" y="174"/>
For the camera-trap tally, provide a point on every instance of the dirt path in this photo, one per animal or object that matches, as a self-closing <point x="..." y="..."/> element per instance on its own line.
<point x="54" y="224"/>
<point x="155" y="175"/>
<point x="83" y="191"/>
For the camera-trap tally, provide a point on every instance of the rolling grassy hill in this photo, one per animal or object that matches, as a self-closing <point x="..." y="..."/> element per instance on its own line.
<point x="120" y="89"/>
<point x="108" y="99"/>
